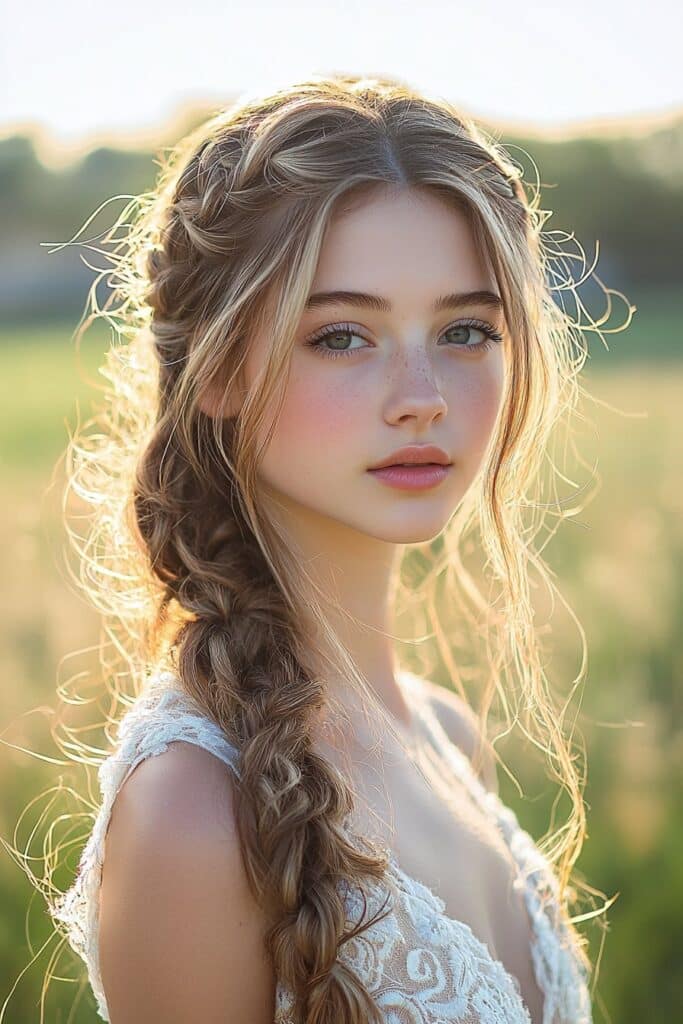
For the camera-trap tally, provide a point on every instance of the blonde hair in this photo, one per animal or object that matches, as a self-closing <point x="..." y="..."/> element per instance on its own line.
<point x="182" y="557"/>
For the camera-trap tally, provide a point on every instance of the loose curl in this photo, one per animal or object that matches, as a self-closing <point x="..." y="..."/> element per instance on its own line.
<point x="182" y="555"/>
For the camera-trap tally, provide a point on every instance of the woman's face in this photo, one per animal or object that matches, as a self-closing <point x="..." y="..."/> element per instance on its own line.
<point x="387" y="377"/>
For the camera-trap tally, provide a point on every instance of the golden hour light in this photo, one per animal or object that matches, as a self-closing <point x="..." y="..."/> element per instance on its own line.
<point x="343" y="532"/>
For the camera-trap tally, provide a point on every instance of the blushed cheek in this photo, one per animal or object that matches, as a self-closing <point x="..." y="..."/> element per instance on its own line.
<point x="320" y="418"/>
<point x="319" y="409"/>
<point x="478" y="402"/>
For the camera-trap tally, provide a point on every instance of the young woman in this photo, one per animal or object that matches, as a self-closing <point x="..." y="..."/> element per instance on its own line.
<point x="340" y="356"/>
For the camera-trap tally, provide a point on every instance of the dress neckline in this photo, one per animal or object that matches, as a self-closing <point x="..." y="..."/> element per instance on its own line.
<point x="491" y="805"/>
<point x="560" y="970"/>
<point x="412" y="886"/>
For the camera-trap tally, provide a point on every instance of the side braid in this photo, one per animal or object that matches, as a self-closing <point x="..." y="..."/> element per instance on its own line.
<point x="235" y="656"/>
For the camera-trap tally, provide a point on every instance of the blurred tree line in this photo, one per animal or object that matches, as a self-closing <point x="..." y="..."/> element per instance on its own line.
<point x="625" y="191"/>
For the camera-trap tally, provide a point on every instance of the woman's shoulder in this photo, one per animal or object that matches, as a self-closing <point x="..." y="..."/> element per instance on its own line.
<point x="183" y="785"/>
<point x="174" y="890"/>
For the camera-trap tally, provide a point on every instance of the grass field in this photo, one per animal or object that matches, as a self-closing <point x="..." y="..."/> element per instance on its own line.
<point x="619" y="564"/>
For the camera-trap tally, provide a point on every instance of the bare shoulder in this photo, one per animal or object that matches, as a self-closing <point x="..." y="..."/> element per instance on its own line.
<point x="180" y="934"/>
<point x="186" y="781"/>
<point x="461" y="725"/>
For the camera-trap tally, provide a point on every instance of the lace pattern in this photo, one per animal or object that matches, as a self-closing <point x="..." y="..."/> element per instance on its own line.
<point x="421" y="966"/>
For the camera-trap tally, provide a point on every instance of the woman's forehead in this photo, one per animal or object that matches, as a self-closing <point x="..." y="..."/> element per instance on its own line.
<point x="403" y="247"/>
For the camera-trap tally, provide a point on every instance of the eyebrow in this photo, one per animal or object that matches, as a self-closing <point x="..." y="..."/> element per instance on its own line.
<point x="454" y="300"/>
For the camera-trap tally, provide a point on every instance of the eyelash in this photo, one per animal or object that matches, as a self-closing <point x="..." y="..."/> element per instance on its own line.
<point x="316" y="340"/>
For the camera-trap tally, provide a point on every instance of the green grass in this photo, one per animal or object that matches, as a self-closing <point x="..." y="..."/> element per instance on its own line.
<point x="46" y="381"/>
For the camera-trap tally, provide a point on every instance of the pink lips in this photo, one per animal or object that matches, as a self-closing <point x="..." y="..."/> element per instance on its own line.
<point x="412" y="478"/>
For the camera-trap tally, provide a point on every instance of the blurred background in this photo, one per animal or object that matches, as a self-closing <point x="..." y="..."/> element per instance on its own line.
<point x="592" y="94"/>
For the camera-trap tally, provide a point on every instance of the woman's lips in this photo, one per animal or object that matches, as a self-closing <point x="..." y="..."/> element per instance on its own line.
<point x="412" y="478"/>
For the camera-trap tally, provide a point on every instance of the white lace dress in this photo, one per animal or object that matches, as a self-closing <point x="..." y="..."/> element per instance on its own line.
<point x="421" y="966"/>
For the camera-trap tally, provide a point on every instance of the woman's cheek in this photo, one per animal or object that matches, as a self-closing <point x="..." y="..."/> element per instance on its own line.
<point x="324" y="405"/>
<point x="319" y="420"/>
<point x="478" y="406"/>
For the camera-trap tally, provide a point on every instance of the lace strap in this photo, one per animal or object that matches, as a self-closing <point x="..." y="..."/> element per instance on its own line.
<point x="163" y="713"/>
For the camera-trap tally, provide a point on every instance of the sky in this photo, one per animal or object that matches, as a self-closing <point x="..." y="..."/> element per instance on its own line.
<point x="77" y="73"/>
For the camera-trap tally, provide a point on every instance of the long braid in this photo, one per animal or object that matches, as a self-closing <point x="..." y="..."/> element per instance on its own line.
<point x="236" y="657"/>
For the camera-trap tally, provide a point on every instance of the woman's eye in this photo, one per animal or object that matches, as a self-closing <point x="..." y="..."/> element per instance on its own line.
<point x="463" y="334"/>
<point x="337" y="336"/>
